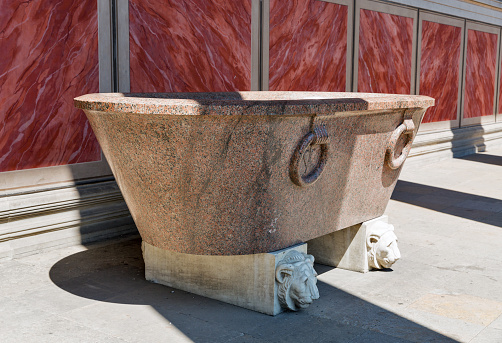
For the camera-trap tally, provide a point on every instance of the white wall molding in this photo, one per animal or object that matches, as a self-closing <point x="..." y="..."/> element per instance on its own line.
<point x="438" y="145"/>
<point x="484" y="11"/>
<point x="33" y="221"/>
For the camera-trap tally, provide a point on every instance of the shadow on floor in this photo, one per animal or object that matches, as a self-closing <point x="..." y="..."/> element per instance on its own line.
<point x="115" y="274"/>
<point x="484" y="158"/>
<point x="469" y="206"/>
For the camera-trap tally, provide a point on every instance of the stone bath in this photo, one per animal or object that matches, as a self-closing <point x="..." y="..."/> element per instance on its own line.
<point x="250" y="173"/>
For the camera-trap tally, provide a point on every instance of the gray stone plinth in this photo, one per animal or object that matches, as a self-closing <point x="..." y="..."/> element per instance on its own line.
<point x="243" y="280"/>
<point x="346" y="249"/>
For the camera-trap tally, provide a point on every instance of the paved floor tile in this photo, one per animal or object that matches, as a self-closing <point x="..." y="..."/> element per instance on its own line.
<point x="488" y="335"/>
<point x="446" y="287"/>
<point x="465" y="307"/>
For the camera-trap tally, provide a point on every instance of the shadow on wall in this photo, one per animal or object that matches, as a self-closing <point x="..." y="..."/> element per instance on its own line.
<point x="468" y="141"/>
<point x="115" y="274"/>
<point x="102" y="211"/>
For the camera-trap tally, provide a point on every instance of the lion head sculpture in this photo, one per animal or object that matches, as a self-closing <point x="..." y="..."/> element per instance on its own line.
<point x="381" y="244"/>
<point x="297" y="280"/>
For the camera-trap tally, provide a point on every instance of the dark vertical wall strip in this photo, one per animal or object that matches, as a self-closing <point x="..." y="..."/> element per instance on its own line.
<point x="260" y="66"/>
<point x="114" y="41"/>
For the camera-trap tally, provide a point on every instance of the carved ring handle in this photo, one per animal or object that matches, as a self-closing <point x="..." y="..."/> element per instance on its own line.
<point x="319" y="136"/>
<point x="406" y="128"/>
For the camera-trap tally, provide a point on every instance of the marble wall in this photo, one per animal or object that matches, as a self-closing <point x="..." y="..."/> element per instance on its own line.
<point x="500" y="92"/>
<point x="190" y="45"/>
<point x="480" y="73"/>
<point x="308" y="46"/>
<point x="439" y="69"/>
<point x="385" y="53"/>
<point x="48" y="55"/>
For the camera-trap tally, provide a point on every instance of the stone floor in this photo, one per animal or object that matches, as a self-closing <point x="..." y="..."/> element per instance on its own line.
<point x="446" y="288"/>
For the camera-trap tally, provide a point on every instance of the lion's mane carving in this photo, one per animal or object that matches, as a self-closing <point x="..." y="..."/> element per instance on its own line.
<point x="381" y="244"/>
<point x="297" y="280"/>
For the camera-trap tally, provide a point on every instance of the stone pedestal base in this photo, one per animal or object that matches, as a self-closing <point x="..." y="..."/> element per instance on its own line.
<point x="359" y="247"/>
<point x="248" y="281"/>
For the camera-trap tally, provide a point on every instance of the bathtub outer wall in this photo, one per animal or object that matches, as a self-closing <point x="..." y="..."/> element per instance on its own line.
<point x="220" y="185"/>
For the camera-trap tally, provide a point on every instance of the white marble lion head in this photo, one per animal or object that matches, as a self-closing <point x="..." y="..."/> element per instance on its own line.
<point x="381" y="244"/>
<point x="297" y="280"/>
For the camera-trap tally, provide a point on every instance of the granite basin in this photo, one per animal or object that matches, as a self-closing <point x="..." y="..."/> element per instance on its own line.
<point x="252" y="172"/>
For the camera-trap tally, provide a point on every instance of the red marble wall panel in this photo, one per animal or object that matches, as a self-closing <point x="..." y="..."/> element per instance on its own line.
<point x="308" y="46"/>
<point x="190" y="45"/>
<point x="480" y="68"/>
<point x="385" y="53"/>
<point x="48" y="55"/>
<point x="439" y="69"/>
<point x="500" y="92"/>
